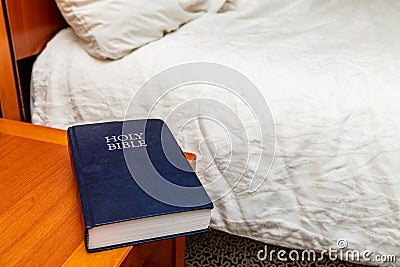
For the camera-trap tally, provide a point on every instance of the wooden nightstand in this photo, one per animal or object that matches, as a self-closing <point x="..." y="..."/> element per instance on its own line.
<point x="40" y="216"/>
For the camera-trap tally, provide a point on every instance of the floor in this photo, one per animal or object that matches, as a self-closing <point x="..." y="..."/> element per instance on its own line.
<point x="216" y="248"/>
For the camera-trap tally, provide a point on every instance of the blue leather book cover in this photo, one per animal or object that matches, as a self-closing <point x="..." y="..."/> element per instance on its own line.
<point x="131" y="170"/>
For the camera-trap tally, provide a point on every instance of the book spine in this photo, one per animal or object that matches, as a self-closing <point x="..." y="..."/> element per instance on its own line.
<point x="83" y="193"/>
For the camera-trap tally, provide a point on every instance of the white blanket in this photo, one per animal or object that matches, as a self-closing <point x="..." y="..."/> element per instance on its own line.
<point x="330" y="72"/>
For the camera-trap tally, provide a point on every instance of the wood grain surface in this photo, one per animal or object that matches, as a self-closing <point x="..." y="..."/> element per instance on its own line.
<point x="33" y="23"/>
<point x="40" y="215"/>
<point x="8" y="89"/>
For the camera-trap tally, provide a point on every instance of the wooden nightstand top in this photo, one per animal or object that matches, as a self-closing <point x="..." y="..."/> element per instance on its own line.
<point x="40" y="214"/>
<point x="40" y="218"/>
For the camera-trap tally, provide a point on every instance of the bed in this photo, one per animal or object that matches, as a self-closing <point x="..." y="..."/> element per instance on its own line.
<point x="329" y="73"/>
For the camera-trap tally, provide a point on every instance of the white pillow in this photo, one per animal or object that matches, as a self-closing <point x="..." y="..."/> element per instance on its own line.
<point x="113" y="28"/>
<point x="210" y="6"/>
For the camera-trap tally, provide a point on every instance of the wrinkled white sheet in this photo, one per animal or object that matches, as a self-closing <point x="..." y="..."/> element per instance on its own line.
<point x="330" y="72"/>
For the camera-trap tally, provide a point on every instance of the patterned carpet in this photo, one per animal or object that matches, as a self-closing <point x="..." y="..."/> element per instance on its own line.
<point x="217" y="249"/>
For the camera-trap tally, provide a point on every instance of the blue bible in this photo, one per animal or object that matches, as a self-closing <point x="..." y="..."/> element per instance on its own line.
<point x="135" y="184"/>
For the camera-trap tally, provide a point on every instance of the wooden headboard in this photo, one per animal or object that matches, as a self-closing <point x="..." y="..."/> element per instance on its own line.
<point x="25" y="27"/>
<point x="32" y="24"/>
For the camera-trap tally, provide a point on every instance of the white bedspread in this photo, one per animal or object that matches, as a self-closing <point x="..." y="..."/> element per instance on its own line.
<point x="330" y="72"/>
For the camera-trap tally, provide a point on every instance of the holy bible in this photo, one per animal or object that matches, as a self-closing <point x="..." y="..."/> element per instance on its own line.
<point x="135" y="184"/>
